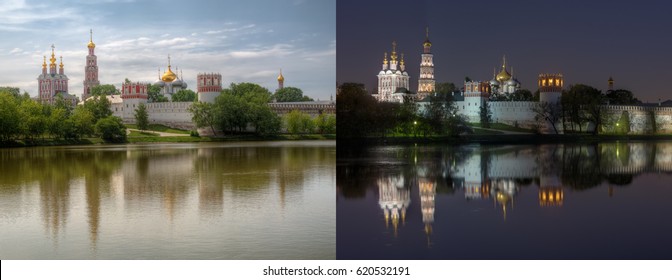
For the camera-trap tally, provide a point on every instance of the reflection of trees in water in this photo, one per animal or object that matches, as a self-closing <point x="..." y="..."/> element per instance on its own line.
<point x="247" y="171"/>
<point x="54" y="169"/>
<point x="580" y="166"/>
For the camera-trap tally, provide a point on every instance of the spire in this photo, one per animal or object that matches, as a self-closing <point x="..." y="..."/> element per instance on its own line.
<point x="494" y="72"/>
<point x="385" y="58"/>
<point x="504" y="62"/>
<point x="53" y="57"/>
<point x="91" y="45"/>
<point x="61" y="65"/>
<point x="280" y="77"/>
<point x="44" y="63"/>
<point x="159" y="73"/>
<point x="168" y="62"/>
<point x="402" y="59"/>
<point x="393" y="56"/>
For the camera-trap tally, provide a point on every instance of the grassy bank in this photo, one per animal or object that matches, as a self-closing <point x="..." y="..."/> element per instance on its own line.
<point x="231" y="138"/>
<point x="160" y="128"/>
<point x="50" y="142"/>
<point x="504" y="139"/>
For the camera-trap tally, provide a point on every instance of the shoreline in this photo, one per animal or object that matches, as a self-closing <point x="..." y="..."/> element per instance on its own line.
<point x="522" y="139"/>
<point x="166" y="139"/>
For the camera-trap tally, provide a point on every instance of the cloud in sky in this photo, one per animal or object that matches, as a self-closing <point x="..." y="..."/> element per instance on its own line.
<point x="134" y="38"/>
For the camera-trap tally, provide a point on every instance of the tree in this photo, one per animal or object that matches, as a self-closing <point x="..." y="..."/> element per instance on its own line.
<point x="141" y="117"/>
<point x="56" y="123"/>
<point x="111" y="129"/>
<point x="354" y="110"/>
<point x="82" y="123"/>
<point x="445" y="88"/>
<point x="99" y="106"/>
<point x="184" y="95"/>
<point x="154" y="94"/>
<point x="325" y="123"/>
<point x="266" y="122"/>
<point x="10" y="118"/>
<point x="203" y="115"/>
<point x="298" y="122"/>
<point x="521" y="95"/>
<point x="485" y="115"/>
<point x="34" y="116"/>
<point x="104" y="90"/>
<point x="621" y="97"/>
<point x="548" y="113"/>
<point x="252" y="92"/>
<point x="290" y="94"/>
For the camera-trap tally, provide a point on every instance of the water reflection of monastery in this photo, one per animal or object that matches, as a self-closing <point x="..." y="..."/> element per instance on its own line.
<point x="500" y="174"/>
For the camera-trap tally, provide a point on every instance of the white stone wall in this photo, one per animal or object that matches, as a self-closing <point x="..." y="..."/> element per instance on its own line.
<point x="173" y="114"/>
<point x="519" y="113"/>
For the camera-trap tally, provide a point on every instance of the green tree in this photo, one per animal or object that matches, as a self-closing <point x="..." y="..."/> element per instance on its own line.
<point x="154" y="94"/>
<point x="250" y="91"/>
<point x="111" y="129"/>
<point x="290" y="94"/>
<point x="141" y="117"/>
<point x="34" y="116"/>
<point x="82" y="122"/>
<point x="325" y="123"/>
<point x="485" y="115"/>
<point x="104" y="90"/>
<point x="298" y="122"/>
<point x="204" y="115"/>
<point x="57" y="126"/>
<point x="233" y="113"/>
<point x="10" y="117"/>
<point x="184" y="95"/>
<point x="266" y="122"/>
<point x="99" y="106"/>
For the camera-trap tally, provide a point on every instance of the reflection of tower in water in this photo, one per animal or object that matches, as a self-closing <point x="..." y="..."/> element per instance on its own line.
<point x="504" y="191"/>
<point x="394" y="200"/>
<point x="550" y="191"/>
<point x="427" y="206"/>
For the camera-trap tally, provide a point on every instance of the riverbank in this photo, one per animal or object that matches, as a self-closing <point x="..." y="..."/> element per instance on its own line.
<point x="167" y="139"/>
<point x="502" y="139"/>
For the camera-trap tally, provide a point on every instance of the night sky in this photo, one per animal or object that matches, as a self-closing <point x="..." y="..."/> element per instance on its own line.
<point x="585" y="41"/>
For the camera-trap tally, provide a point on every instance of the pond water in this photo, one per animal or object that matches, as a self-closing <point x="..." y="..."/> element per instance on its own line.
<point x="579" y="201"/>
<point x="252" y="200"/>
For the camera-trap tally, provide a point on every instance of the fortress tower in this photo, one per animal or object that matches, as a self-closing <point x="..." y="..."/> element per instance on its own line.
<point x="550" y="87"/>
<point x="209" y="86"/>
<point x="132" y="95"/>
<point x="476" y="94"/>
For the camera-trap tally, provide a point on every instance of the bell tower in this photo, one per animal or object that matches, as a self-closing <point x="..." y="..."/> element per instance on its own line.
<point x="91" y="69"/>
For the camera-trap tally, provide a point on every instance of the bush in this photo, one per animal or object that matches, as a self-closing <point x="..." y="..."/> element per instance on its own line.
<point x="111" y="129"/>
<point x="194" y="133"/>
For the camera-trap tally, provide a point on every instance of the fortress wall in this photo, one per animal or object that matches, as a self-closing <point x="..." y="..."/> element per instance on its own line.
<point x="173" y="114"/>
<point x="515" y="113"/>
<point x="643" y="119"/>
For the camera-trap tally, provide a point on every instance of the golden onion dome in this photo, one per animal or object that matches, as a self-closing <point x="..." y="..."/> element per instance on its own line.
<point x="91" y="44"/>
<point x="281" y="78"/>
<point x="168" y="76"/>
<point x="503" y="76"/>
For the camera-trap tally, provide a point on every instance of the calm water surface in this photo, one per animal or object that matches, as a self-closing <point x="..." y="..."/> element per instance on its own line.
<point x="260" y="200"/>
<point x="597" y="201"/>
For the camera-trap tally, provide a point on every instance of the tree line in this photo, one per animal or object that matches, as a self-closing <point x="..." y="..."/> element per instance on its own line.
<point x="360" y="115"/>
<point x="23" y="118"/>
<point x="243" y="108"/>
